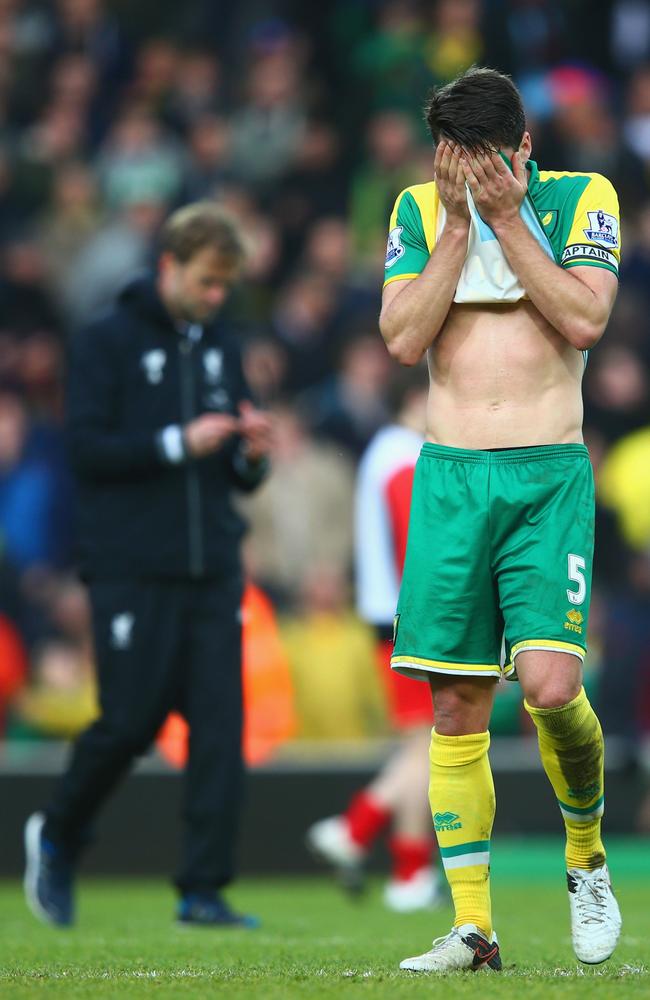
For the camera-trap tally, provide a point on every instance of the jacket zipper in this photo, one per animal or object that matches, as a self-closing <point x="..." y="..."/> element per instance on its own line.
<point x="188" y="411"/>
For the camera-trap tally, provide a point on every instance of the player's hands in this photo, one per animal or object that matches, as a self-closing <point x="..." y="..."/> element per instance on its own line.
<point x="450" y="180"/>
<point x="207" y="433"/>
<point x="256" y="430"/>
<point x="497" y="191"/>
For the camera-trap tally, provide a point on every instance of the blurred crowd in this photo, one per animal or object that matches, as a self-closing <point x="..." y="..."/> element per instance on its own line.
<point x="305" y="120"/>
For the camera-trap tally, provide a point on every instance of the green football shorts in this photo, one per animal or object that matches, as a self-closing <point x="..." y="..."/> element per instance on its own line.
<point x="498" y="560"/>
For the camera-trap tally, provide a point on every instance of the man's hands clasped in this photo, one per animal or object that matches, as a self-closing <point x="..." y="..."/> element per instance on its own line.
<point x="450" y="180"/>
<point x="256" y="430"/>
<point x="497" y="191"/>
<point x="209" y="432"/>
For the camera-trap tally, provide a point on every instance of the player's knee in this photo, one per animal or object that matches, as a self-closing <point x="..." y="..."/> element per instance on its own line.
<point x="461" y="708"/>
<point x="549" y="680"/>
<point x="554" y="692"/>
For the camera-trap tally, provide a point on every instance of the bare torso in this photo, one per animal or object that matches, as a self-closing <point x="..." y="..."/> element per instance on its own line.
<point x="502" y="377"/>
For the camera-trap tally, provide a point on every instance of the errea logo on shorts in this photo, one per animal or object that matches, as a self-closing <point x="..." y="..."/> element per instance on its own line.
<point x="575" y="620"/>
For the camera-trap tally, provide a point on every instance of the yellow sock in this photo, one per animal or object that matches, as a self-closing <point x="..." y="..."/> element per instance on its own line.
<point x="461" y="793"/>
<point x="572" y="751"/>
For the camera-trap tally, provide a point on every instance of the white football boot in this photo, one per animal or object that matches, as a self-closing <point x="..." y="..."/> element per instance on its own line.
<point x="595" y="916"/>
<point x="419" y="892"/>
<point x="465" y="947"/>
<point x="329" y="839"/>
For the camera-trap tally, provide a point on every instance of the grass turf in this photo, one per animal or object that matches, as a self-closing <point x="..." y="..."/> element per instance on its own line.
<point x="314" y="943"/>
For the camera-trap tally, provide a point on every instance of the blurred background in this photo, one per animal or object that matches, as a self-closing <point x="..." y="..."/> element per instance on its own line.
<point x="305" y="120"/>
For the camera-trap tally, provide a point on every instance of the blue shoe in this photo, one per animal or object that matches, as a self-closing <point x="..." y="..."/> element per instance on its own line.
<point x="208" y="909"/>
<point x="49" y="877"/>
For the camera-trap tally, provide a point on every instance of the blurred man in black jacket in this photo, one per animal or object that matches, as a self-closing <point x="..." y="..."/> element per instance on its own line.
<point x="162" y="429"/>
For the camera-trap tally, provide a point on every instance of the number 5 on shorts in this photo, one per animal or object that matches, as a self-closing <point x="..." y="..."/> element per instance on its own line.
<point x="576" y="569"/>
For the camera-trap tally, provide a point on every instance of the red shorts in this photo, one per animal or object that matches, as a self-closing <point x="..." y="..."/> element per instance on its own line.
<point x="409" y="701"/>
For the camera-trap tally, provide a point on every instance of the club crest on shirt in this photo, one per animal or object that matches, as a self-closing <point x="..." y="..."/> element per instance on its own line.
<point x="395" y="249"/>
<point x="549" y="220"/>
<point x="603" y="229"/>
<point x="212" y="365"/>
<point x="153" y="363"/>
<point x="121" y="630"/>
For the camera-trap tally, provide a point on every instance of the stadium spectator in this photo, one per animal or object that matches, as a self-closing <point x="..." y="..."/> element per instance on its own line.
<point x="139" y="161"/>
<point x="302" y="321"/>
<point x="375" y="184"/>
<point x="156" y="72"/>
<point x="13" y="216"/>
<point x="636" y="127"/>
<point x="110" y="256"/>
<point x="90" y="27"/>
<point x="207" y="169"/>
<point x="28" y="490"/>
<point x="328" y="251"/>
<point x="349" y="407"/>
<point x="196" y="94"/>
<point x="315" y="185"/>
<point x="162" y="431"/>
<point x="636" y="285"/>
<point x="60" y="699"/>
<point x="455" y="42"/>
<point x="272" y="119"/>
<point x="27" y="307"/>
<point x="56" y="136"/>
<point x="617" y="391"/>
<point x="302" y="515"/>
<point x="624" y="485"/>
<point x="331" y="652"/>
<point x="386" y="67"/>
<point x="630" y="33"/>
<point x="71" y="219"/>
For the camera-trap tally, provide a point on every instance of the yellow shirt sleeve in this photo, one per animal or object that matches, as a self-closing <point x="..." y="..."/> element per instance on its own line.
<point x="594" y="238"/>
<point x="412" y="232"/>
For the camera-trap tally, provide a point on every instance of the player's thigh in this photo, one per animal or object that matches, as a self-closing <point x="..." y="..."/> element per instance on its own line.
<point x="549" y="679"/>
<point x="544" y="552"/>
<point x="447" y="616"/>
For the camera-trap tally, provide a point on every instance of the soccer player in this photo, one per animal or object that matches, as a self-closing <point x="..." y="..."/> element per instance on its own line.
<point x="505" y="275"/>
<point x="395" y="799"/>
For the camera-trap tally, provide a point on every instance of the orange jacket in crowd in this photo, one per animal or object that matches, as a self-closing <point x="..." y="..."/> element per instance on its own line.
<point x="269" y="718"/>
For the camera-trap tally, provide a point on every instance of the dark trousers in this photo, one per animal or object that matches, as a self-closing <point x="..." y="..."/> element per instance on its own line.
<point x="160" y="646"/>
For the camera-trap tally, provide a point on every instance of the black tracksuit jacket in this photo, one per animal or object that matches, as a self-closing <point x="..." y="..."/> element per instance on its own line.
<point x="131" y="375"/>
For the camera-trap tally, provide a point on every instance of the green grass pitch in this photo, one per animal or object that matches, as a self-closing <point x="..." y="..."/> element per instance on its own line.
<point x="315" y="943"/>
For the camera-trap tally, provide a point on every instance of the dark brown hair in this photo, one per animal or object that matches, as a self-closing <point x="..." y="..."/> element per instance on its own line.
<point x="202" y="224"/>
<point x="481" y="110"/>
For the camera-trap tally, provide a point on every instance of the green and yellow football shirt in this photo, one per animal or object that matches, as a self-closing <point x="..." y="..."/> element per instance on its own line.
<point x="578" y="212"/>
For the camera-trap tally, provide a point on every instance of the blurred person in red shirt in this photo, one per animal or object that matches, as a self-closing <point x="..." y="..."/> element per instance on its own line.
<point x="396" y="798"/>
